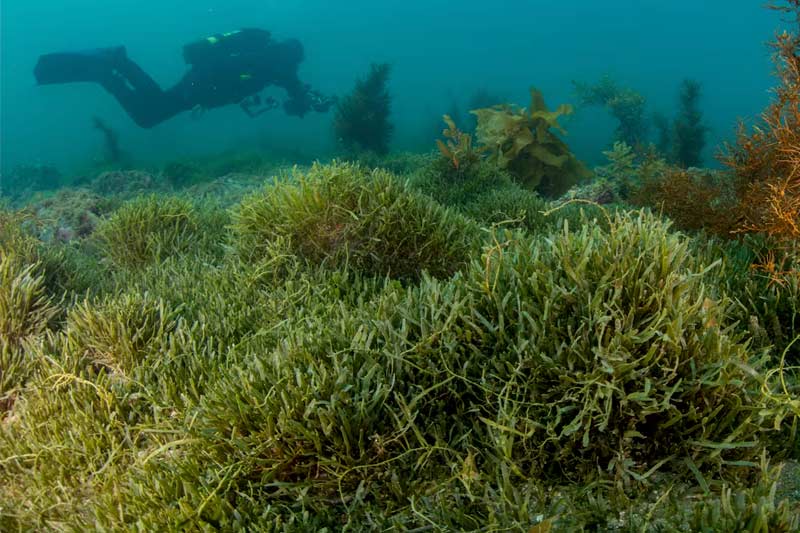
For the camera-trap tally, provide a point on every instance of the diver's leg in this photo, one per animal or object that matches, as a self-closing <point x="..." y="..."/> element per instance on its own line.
<point x="139" y="80"/>
<point x="139" y="95"/>
<point x="133" y="102"/>
<point x="81" y="66"/>
<point x="146" y="105"/>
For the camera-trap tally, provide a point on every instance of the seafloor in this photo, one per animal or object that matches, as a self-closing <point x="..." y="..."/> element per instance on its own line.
<point x="246" y="345"/>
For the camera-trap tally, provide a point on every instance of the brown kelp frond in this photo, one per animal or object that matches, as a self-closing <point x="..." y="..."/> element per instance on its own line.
<point x="519" y="140"/>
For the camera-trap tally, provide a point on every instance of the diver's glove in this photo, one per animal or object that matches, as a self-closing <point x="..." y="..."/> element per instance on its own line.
<point x="310" y="99"/>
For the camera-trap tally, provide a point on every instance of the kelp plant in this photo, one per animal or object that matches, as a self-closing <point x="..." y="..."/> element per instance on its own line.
<point x="519" y="140"/>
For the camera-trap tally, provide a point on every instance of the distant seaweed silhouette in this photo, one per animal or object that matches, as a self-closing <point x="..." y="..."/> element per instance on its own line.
<point x="111" y="140"/>
<point x="362" y="121"/>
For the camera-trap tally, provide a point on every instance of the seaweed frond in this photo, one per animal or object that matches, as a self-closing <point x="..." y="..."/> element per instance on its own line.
<point x="520" y="141"/>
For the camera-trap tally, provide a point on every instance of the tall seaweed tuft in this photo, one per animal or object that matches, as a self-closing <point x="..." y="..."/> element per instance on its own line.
<point x="119" y="332"/>
<point x="14" y="239"/>
<point x="615" y="356"/>
<point x="361" y="121"/>
<point x="688" y="129"/>
<point x="625" y="104"/>
<point x="25" y="308"/>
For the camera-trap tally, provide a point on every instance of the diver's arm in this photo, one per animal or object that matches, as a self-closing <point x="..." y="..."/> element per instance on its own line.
<point x="305" y="99"/>
<point x="298" y="103"/>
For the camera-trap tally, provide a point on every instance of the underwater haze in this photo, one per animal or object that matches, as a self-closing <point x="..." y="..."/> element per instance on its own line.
<point x="441" y="52"/>
<point x="517" y="266"/>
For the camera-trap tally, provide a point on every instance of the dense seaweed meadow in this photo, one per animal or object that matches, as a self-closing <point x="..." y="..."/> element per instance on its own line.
<point x="485" y="335"/>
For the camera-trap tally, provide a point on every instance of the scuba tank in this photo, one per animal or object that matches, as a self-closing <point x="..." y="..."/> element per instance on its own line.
<point x="225" y="44"/>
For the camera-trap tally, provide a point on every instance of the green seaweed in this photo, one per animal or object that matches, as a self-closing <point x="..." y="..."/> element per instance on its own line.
<point x="342" y="214"/>
<point x="458" y="188"/>
<point x="149" y="229"/>
<point x="26" y="313"/>
<point x="569" y="368"/>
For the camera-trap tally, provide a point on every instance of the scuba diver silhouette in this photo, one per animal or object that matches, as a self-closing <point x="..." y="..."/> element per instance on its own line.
<point x="227" y="68"/>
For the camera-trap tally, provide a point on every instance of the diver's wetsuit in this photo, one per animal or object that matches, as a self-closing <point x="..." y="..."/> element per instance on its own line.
<point x="225" y="69"/>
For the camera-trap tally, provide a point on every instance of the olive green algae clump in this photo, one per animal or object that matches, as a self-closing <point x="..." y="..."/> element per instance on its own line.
<point x="25" y="315"/>
<point x="362" y="358"/>
<point x="118" y="332"/>
<point x="149" y="229"/>
<point x="25" y="308"/>
<point x="344" y="215"/>
<point x="613" y="355"/>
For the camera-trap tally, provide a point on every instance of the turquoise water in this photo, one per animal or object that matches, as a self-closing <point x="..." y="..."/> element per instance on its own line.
<point x="441" y="52"/>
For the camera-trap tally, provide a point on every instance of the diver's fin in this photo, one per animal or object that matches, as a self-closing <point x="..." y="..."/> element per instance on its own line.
<point x="87" y="65"/>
